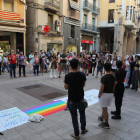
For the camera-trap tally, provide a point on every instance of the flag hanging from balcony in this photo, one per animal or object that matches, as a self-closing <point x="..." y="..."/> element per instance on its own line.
<point x="46" y="29"/>
<point x="11" y="16"/>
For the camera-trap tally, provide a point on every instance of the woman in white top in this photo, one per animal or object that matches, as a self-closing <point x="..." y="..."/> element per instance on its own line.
<point x="114" y="66"/>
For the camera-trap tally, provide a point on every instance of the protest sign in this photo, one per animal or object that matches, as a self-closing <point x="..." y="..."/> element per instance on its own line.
<point x="12" y="117"/>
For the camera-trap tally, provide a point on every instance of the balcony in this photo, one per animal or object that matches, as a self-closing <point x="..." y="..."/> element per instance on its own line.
<point x="87" y="6"/>
<point x="73" y="14"/>
<point x="131" y="25"/>
<point x="74" y="5"/>
<point x="9" y="18"/>
<point x="89" y="28"/>
<point x="95" y="10"/>
<point x="52" y="5"/>
<point x="53" y="27"/>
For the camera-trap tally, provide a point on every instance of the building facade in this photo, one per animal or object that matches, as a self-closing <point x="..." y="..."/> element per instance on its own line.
<point x="89" y="16"/>
<point x="118" y="24"/>
<point x="70" y="17"/>
<point x="63" y="19"/>
<point x="41" y="13"/>
<point x="13" y="25"/>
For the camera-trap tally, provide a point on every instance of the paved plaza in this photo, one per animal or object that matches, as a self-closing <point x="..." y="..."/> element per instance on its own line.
<point x="59" y="126"/>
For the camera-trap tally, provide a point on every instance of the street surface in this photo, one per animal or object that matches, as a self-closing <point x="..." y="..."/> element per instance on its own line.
<point x="59" y="126"/>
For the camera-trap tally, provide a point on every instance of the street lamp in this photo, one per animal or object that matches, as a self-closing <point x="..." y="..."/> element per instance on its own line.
<point x="119" y="8"/>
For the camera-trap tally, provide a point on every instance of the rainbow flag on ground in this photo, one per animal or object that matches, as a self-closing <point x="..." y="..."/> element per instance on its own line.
<point x="47" y="109"/>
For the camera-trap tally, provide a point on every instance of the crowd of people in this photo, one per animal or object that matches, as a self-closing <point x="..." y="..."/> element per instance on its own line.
<point x="88" y="62"/>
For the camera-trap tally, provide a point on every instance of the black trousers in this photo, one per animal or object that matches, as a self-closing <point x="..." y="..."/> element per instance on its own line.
<point x="119" y="92"/>
<point x="20" y="66"/>
<point x="0" y="67"/>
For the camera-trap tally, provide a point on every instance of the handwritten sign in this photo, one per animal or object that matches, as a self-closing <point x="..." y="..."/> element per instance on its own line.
<point x="13" y="117"/>
<point x="91" y="96"/>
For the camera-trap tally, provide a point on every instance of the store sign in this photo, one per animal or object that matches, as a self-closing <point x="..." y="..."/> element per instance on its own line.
<point x="87" y="41"/>
<point x="11" y="16"/>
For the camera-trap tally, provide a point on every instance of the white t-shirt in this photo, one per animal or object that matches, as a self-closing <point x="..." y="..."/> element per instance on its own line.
<point x="5" y="60"/>
<point x="114" y="66"/>
<point x="0" y="58"/>
<point x="127" y="63"/>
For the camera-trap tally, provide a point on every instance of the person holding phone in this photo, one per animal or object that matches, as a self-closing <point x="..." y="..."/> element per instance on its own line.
<point x="12" y="58"/>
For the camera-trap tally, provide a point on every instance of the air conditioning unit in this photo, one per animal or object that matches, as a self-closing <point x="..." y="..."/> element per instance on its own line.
<point x="58" y="22"/>
<point x="58" y="29"/>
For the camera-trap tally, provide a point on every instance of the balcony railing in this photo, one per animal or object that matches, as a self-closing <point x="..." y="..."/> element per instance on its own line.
<point x="87" y="5"/>
<point x="95" y="10"/>
<point x="86" y="26"/>
<point x="73" y="14"/>
<point x="52" y="5"/>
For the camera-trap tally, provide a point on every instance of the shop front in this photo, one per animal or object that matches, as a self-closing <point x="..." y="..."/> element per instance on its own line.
<point x="71" y="49"/>
<point x="52" y="44"/>
<point x="86" y="45"/>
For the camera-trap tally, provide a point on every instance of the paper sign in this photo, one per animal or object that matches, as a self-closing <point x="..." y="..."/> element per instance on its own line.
<point x="91" y="96"/>
<point x="13" y="117"/>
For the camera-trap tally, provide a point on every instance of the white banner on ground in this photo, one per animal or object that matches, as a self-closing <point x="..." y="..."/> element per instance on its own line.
<point x="11" y="118"/>
<point x="91" y="96"/>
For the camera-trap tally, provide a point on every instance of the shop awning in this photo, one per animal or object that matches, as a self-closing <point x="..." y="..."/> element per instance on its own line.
<point x="74" y="5"/>
<point x="87" y="41"/>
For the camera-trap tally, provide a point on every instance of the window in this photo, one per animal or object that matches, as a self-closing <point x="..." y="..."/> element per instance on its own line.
<point x="111" y="16"/>
<point x="111" y="1"/>
<point x="50" y="22"/>
<point x="85" y="21"/>
<point x="94" y="2"/>
<point x="93" y="21"/>
<point x="8" y="5"/>
<point x="72" y="31"/>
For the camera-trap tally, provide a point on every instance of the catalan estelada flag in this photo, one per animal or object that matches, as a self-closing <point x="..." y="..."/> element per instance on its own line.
<point x="12" y="16"/>
<point x="47" y="109"/>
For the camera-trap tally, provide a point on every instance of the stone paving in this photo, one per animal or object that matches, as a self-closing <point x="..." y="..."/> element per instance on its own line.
<point x="59" y="126"/>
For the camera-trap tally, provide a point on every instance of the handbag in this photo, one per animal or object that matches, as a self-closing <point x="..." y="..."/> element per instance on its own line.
<point x="85" y="103"/>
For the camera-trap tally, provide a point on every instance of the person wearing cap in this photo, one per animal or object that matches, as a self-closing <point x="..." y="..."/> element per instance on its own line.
<point x="5" y="63"/>
<point x="31" y="56"/>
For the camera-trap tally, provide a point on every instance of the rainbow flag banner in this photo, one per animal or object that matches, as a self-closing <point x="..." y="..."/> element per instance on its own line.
<point x="47" y="109"/>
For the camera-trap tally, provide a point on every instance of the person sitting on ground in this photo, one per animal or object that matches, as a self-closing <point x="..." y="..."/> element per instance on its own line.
<point x="106" y="95"/>
<point x="75" y="82"/>
<point x="119" y="90"/>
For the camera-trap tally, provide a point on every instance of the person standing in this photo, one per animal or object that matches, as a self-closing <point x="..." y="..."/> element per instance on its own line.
<point x="0" y="63"/>
<point x="119" y="90"/>
<point x="5" y="64"/>
<point x="53" y="66"/>
<point x="100" y="61"/>
<point x="114" y="66"/>
<point x="93" y="63"/>
<point x="21" y="59"/>
<point x="18" y="53"/>
<point x="85" y="61"/>
<point x="36" y="63"/>
<point x="135" y="74"/>
<point x="74" y="82"/>
<point x="106" y="95"/>
<point x="42" y="61"/>
<point x="12" y="57"/>
<point x="31" y="56"/>
<point x="63" y="63"/>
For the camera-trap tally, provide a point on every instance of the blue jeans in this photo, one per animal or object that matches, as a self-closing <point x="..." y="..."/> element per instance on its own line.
<point x="73" y="106"/>
<point x="13" y="68"/>
<point x="128" y="70"/>
<point x="100" y="69"/>
<point x="5" y="66"/>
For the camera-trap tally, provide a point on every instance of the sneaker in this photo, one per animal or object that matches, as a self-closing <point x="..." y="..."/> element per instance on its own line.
<point x="104" y="125"/>
<point x="59" y="76"/>
<point x="100" y="119"/>
<point x="92" y="74"/>
<point x="116" y="117"/>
